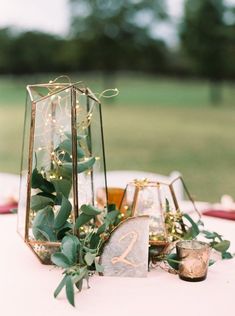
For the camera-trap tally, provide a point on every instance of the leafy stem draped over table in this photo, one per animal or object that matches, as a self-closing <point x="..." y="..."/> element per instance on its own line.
<point x="79" y="256"/>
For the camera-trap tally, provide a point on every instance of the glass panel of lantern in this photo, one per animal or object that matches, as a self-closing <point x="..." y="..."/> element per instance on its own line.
<point x="63" y="163"/>
<point x="144" y="197"/>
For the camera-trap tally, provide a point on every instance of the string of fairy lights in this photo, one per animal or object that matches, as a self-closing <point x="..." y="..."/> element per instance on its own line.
<point x="52" y="125"/>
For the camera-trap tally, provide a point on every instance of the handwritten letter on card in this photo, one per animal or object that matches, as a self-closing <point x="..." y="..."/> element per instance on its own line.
<point x="126" y="251"/>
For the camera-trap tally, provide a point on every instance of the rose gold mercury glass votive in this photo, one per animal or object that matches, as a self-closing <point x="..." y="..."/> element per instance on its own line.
<point x="194" y="259"/>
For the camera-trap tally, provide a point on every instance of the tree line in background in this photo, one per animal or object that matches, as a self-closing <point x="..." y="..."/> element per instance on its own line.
<point x="109" y="36"/>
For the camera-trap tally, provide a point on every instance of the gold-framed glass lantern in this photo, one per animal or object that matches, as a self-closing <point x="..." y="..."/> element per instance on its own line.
<point x="163" y="202"/>
<point x="63" y="162"/>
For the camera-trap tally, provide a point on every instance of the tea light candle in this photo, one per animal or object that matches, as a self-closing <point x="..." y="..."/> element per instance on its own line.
<point x="194" y="258"/>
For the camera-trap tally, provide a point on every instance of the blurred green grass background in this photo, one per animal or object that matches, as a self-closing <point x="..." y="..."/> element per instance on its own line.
<point x="156" y="125"/>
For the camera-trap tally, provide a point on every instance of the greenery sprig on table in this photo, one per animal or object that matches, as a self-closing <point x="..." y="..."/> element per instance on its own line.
<point x="78" y="256"/>
<point x="181" y="226"/>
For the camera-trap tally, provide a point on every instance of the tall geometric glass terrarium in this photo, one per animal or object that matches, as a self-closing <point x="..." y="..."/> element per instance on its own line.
<point x="63" y="162"/>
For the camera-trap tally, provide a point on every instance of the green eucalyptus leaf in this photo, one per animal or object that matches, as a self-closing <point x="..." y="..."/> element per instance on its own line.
<point x="82" y="219"/>
<point x="62" y="186"/>
<point x="43" y="218"/>
<point x="39" y="182"/>
<point x="91" y="250"/>
<point x="63" y="213"/>
<point x="69" y="290"/>
<point x="218" y="236"/>
<point x="36" y="179"/>
<point x="47" y="232"/>
<point x="85" y="165"/>
<point x="89" y="258"/>
<point x="58" y="199"/>
<point x="189" y="234"/>
<point x="66" y="145"/>
<point x="101" y="229"/>
<point x="211" y="235"/>
<point x="61" y="232"/>
<point x="94" y="241"/>
<point x="69" y="248"/>
<point x="90" y="210"/>
<point x="60" y="286"/>
<point x="47" y="187"/>
<point x="173" y="261"/>
<point x="193" y="230"/>
<point x="80" y="275"/>
<point x="99" y="268"/>
<point x="211" y="262"/>
<point x="60" y="260"/>
<point x="227" y="255"/>
<point x="111" y="217"/>
<point x="208" y="235"/>
<point x="111" y="207"/>
<point x="68" y="166"/>
<point x="79" y="285"/>
<point x="48" y="195"/>
<point x="65" y="170"/>
<point x="39" y="202"/>
<point x="80" y="152"/>
<point x="168" y="208"/>
<point x="222" y="246"/>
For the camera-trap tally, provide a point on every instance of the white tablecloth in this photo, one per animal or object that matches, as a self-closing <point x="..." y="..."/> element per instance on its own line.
<point x="26" y="286"/>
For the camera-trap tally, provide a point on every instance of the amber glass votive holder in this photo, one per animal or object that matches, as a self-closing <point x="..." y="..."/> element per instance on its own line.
<point x="194" y="259"/>
<point x="115" y="196"/>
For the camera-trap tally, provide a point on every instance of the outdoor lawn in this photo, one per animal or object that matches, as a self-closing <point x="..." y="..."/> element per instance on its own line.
<point x="156" y="125"/>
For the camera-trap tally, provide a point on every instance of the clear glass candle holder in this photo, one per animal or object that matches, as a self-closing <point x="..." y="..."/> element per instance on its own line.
<point x="194" y="259"/>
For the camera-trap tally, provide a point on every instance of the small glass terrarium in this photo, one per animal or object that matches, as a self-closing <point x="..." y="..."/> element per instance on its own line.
<point x="63" y="162"/>
<point x="142" y="197"/>
<point x="159" y="200"/>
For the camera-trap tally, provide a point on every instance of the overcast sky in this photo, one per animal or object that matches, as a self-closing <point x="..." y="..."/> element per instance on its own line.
<point x="44" y="15"/>
<point x="53" y="15"/>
